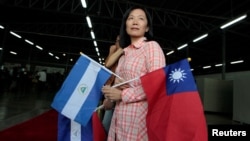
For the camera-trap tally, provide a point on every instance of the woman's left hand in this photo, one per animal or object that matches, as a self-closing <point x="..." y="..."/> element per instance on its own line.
<point x="111" y="93"/>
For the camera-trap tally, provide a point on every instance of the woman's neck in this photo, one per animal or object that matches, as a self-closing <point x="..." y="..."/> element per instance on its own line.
<point x="135" y="39"/>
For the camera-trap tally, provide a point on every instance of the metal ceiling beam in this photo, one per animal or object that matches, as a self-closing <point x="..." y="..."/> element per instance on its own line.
<point x="161" y="17"/>
<point x="70" y="30"/>
<point x="112" y="9"/>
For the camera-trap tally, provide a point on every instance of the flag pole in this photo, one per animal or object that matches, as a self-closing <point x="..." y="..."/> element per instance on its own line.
<point x="117" y="85"/>
<point x="99" y="107"/>
<point x="104" y="67"/>
<point x="125" y="82"/>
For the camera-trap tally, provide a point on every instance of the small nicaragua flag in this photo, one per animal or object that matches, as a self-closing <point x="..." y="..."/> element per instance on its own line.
<point x="80" y="93"/>
<point x="69" y="130"/>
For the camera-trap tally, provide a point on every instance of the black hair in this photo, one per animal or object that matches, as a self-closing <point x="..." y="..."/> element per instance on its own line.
<point x="124" y="37"/>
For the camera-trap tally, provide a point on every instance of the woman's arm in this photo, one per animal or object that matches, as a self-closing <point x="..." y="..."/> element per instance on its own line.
<point x="114" y="56"/>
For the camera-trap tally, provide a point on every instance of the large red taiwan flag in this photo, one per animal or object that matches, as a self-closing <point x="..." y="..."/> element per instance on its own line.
<point x="175" y="111"/>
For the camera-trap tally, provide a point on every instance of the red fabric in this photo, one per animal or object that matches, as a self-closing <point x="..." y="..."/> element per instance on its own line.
<point x="44" y="128"/>
<point x="40" y="128"/>
<point x="178" y="117"/>
<point x="98" y="129"/>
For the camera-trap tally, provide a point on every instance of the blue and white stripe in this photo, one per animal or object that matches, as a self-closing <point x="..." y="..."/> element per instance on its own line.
<point x="81" y="91"/>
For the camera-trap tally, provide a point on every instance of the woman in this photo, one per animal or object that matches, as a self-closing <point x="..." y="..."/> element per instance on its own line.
<point x="141" y="56"/>
<point x="115" y="51"/>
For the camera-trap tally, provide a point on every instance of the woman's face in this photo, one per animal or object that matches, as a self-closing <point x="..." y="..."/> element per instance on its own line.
<point x="137" y="23"/>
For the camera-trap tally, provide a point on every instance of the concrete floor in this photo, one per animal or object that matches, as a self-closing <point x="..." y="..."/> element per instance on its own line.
<point x="17" y="107"/>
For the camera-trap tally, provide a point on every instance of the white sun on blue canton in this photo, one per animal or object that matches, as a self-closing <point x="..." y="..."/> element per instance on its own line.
<point x="177" y="75"/>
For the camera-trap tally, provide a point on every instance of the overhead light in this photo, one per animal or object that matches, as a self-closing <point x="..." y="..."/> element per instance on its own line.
<point x="1" y="27"/>
<point x="51" y="54"/>
<point x="29" y="42"/>
<point x="57" y="57"/>
<point x="100" y="61"/>
<point x="95" y="43"/>
<point x="84" y="5"/>
<point x="13" y="33"/>
<point x="206" y="67"/>
<point x="96" y="49"/>
<point x="1" y="48"/>
<point x="181" y="47"/>
<point x="12" y="52"/>
<point x="37" y="46"/>
<point x="89" y="22"/>
<point x="218" y="65"/>
<point x="233" y="21"/>
<point x="236" y="62"/>
<point x="92" y="34"/>
<point x="170" y="52"/>
<point x="201" y="37"/>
